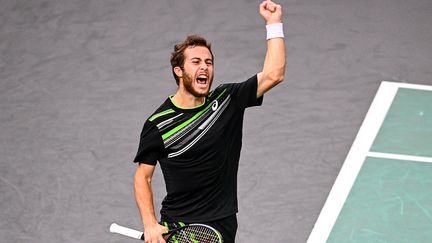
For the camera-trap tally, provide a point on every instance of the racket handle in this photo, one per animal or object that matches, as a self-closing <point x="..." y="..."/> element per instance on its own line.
<point x="115" y="228"/>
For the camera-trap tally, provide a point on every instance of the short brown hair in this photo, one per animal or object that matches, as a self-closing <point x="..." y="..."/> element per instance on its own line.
<point x="178" y="58"/>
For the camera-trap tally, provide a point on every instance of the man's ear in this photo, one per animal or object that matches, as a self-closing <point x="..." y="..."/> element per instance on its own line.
<point x="178" y="71"/>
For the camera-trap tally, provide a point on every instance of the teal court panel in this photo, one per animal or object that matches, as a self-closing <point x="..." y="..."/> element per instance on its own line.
<point x="391" y="201"/>
<point x="407" y="128"/>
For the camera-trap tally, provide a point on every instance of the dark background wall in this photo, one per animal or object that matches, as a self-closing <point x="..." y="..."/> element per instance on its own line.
<point x="78" y="78"/>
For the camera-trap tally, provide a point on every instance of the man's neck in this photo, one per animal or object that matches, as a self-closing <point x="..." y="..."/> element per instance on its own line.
<point x="186" y="100"/>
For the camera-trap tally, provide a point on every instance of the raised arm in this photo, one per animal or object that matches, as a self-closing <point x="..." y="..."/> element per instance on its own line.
<point x="144" y="199"/>
<point x="274" y="63"/>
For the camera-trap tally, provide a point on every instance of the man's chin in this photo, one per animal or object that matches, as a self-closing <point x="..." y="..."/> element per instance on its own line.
<point x="200" y="92"/>
<point x="197" y="91"/>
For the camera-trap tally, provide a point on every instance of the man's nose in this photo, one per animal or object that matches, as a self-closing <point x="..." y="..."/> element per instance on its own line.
<point x="203" y="66"/>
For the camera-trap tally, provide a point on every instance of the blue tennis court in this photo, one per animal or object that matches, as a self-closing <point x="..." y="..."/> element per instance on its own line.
<point x="383" y="191"/>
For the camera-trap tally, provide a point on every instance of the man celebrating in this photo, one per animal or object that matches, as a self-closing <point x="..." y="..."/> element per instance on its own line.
<point x="196" y="136"/>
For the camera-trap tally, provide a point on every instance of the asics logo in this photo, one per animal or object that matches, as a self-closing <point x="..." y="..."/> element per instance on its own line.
<point x="215" y="105"/>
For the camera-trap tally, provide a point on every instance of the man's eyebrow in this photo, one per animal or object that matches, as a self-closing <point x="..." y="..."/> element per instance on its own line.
<point x="207" y="59"/>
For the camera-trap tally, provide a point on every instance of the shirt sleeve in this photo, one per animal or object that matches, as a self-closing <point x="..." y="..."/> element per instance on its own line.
<point x="245" y="93"/>
<point x="150" y="145"/>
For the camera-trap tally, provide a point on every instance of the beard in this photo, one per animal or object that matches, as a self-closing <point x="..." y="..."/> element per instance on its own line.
<point x="188" y="81"/>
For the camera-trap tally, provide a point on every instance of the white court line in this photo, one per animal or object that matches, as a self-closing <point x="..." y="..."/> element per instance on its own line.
<point x="353" y="162"/>
<point x="400" y="157"/>
<point x="410" y="86"/>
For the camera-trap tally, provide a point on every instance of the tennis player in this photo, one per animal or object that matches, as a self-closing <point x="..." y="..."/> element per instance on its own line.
<point x="196" y="136"/>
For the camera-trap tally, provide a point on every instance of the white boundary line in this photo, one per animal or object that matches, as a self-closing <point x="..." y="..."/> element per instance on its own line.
<point x="400" y="157"/>
<point x="353" y="162"/>
<point x="409" y="86"/>
<point x="355" y="158"/>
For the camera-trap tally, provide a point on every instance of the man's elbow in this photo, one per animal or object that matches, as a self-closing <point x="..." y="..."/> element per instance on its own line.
<point x="280" y="78"/>
<point x="142" y="176"/>
<point x="277" y="77"/>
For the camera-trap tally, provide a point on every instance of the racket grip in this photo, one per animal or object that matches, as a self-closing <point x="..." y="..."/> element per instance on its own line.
<point x="115" y="228"/>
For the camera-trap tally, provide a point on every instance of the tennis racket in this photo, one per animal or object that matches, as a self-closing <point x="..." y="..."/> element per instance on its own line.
<point x="192" y="233"/>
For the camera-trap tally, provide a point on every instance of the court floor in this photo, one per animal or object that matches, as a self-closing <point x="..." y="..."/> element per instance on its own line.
<point x="383" y="191"/>
<point x="79" y="78"/>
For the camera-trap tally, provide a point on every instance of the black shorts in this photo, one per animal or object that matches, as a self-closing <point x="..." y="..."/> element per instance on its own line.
<point x="226" y="226"/>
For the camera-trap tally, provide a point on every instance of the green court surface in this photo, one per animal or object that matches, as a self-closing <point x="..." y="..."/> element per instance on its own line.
<point x="407" y="128"/>
<point x="391" y="201"/>
<point x="383" y="192"/>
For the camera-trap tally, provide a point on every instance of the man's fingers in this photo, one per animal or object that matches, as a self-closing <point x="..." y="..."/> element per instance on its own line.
<point x="263" y="5"/>
<point x="279" y="7"/>
<point x="164" y="231"/>
<point x="156" y="240"/>
<point x="161" y="240"/>
<point x="155" y="233"/>
<point x="270" y="11"/>
<point x="268" y="5"/>
<point x="271" y="8"/>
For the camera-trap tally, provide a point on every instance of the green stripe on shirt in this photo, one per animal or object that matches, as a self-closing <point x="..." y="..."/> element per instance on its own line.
<point x="163" y="113"/>
<point x="179" y="127"/>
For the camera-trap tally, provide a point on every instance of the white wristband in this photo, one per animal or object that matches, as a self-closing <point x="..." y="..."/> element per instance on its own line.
<point x="274" y="31"/>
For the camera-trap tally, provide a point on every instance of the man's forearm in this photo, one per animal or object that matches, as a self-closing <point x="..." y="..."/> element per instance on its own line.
<point x="274" y="62"/>
<point x="273" y="71"/>
<point x="144" y="199"/>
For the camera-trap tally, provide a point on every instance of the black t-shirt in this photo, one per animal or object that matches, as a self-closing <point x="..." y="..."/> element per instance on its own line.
<point x="198" y="150"/>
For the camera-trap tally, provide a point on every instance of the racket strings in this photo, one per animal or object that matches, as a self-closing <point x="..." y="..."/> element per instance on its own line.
<point x="194" y="235"/>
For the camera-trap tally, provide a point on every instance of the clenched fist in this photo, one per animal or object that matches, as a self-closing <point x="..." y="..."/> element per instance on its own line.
<point x="271" y="12"/>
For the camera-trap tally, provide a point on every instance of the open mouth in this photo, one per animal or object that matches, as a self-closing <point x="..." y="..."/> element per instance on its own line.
<point x="202" y="79"/>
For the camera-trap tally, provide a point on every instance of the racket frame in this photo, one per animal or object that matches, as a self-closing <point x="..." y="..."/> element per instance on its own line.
<point x="139" y="235"/>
